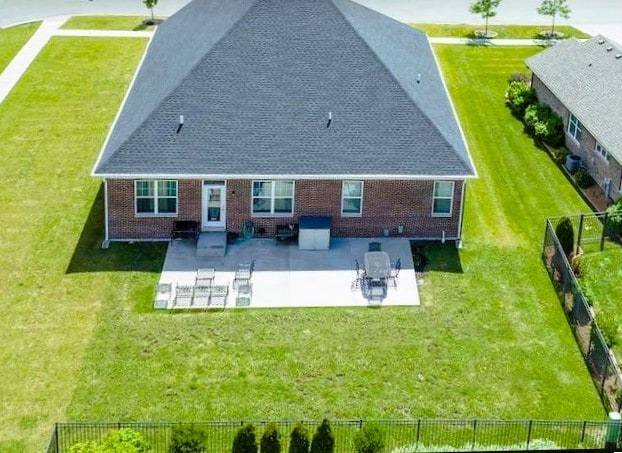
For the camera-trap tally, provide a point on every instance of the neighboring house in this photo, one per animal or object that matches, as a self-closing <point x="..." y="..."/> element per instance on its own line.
<point x="268" y="110"/>
<point x="582" y="81"/>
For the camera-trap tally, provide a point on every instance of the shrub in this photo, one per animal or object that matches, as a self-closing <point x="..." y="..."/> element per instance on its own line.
<point x="560" y="154"/>
<point x="369" y="439"/>
<point x="614" y="217"/>
<point x="583" y="178"/>
<point x="188" y="439"/>
<point x="565" y="234"/>
<point x="119" y="441"/>
<point x="270" y="440"/>
<point x="577" y="268"/>
<point x="519" y="77"/>
<point x="245" y="440"/>
<point x="609" y="328"/>
<point x="518" y="96"/>
<point x="299" y="439"/>
<point x="323" y="439"/>
<point x="544" y="124"/>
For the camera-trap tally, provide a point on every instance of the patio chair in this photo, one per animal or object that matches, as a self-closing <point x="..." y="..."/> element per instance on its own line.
<point x="243" y="274"/>
<point x="163" y="295"/>
<point x="244" y="295"/>
<point x="395" y="272"/>
<point x="374" y="247"/>
<point x="218" y="296"/>
<point x="205" y="277"/>
<point x="183" y="296"/>
<point x="201" y="296"/>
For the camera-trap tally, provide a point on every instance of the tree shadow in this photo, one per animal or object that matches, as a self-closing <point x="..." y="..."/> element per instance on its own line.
<point x="438" y="257"/>
<point x="89" y="256"/>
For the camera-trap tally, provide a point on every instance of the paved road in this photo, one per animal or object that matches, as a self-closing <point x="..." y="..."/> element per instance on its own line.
<point x="433" y="11"/>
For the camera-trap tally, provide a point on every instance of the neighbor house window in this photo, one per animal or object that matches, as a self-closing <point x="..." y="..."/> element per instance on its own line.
<point x="273" y="197"/>
<point x="600" y="149"/>
<point x="443" y="198"/>
<point x="156" y="197"/>
<point x="352" y="198"/>
<point x="575" y="128"/>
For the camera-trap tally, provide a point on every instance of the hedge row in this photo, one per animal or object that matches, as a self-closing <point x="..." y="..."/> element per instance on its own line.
<point x="193" y="439"/>
<point x="540" y="121"/>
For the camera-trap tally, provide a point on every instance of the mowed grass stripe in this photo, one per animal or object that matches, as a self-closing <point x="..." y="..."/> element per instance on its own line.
<point x="12" y="39"/>
<point x="51" y="128"/>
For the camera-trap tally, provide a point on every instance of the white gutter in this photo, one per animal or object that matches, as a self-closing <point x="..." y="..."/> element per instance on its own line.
<point x="106" y="238"/>
<point x="280" y="177"/>
<point x="461" y="218"/>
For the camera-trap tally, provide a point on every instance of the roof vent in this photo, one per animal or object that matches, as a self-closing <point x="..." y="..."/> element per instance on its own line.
<point x="609" y="48"/>
<point x="181" y="123"/>
<point x="618" y="56"/>
<point x="419" y="78"/>
<point x="330" y="119"/>
<point x="601" y="41"/>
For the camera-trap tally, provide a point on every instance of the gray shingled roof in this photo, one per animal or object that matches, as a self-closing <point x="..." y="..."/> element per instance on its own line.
<point x="255" y="80"/>
<point x="587" y="79"/>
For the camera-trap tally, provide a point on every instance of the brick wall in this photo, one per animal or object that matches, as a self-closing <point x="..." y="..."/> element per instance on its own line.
<point x="598" y="167"/>
<point x="386" y="204"/>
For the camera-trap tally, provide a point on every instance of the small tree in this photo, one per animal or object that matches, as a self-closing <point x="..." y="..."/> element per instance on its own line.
<point x="565" y="235"/>
<point x="188" y="439"/>
<point x="150" y="4"/>
<point x="369" y="439"/>
<point x="486" y="9"/>
<point x="323" y="439"/>
<point x="554" y="8"/>
<point x="270" y="440"/>
<point x="299" y="439"/>
<point x="614" y="217"/>
<point x="245" y="440"/>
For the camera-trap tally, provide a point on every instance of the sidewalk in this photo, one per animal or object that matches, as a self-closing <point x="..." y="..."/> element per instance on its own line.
<point x="48" y="28"/>
<point x="16" y="68"/>
<point x="494" y="42"/>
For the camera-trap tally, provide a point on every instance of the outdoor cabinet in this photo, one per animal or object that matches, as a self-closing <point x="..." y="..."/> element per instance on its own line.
<point x="314" y="233"/>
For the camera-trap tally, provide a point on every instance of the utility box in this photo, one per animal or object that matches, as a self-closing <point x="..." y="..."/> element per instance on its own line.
<point x="314" y="233"/>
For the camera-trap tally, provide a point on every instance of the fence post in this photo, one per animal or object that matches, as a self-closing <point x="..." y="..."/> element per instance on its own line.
<point x="56" y="436"/>
<point x="613" y="431"/>
<point x="602" y="236"/>
<point x="529" y="435"/>
<point x="580" y="233"/>
<point x="474" y="431"/>
<point x="418" y="431"/>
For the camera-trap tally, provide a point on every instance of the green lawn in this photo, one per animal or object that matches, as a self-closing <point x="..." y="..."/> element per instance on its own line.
<point x="131" y="23"/>
<point x="504" y="31"/>
<point x="602" y="273"/>
<point x="80" y="342"/>
<point x="12" y="39"/>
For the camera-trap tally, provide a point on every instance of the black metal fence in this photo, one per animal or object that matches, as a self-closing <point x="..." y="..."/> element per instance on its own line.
<point x="598" y="357"/>
<point x="400" y="436"/>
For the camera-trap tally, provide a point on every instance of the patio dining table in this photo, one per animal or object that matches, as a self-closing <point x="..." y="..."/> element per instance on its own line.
<point x="377" y="265"/>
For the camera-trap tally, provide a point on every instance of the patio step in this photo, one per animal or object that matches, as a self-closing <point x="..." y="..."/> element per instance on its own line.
<point x="212" y="243"/>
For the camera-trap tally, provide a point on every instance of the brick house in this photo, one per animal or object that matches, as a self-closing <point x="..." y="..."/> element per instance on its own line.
<point x="582" y="82"/>
<point x="268" y="110"/>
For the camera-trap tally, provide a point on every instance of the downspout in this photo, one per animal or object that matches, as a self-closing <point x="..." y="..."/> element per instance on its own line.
<point x="106" y="239"/>
<point x="459" y="241"/>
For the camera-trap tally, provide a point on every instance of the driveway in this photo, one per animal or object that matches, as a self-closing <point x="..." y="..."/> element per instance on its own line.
<point x="452" y="11"/>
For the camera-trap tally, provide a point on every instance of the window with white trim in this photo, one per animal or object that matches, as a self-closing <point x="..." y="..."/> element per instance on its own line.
<point x="575" y="128"/>
<point x="352" y="198"/>
<point x="155" y="197"/>
<point x="602" y="152"/>
<point x="443" y="198"/>
<point x="273" y="197"/>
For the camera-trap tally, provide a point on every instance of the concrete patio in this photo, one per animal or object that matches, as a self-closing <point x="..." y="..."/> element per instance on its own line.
<point x="288" y="277"/>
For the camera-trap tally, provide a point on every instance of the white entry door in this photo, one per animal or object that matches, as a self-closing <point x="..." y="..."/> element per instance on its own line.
<point x="214" y="205"/>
